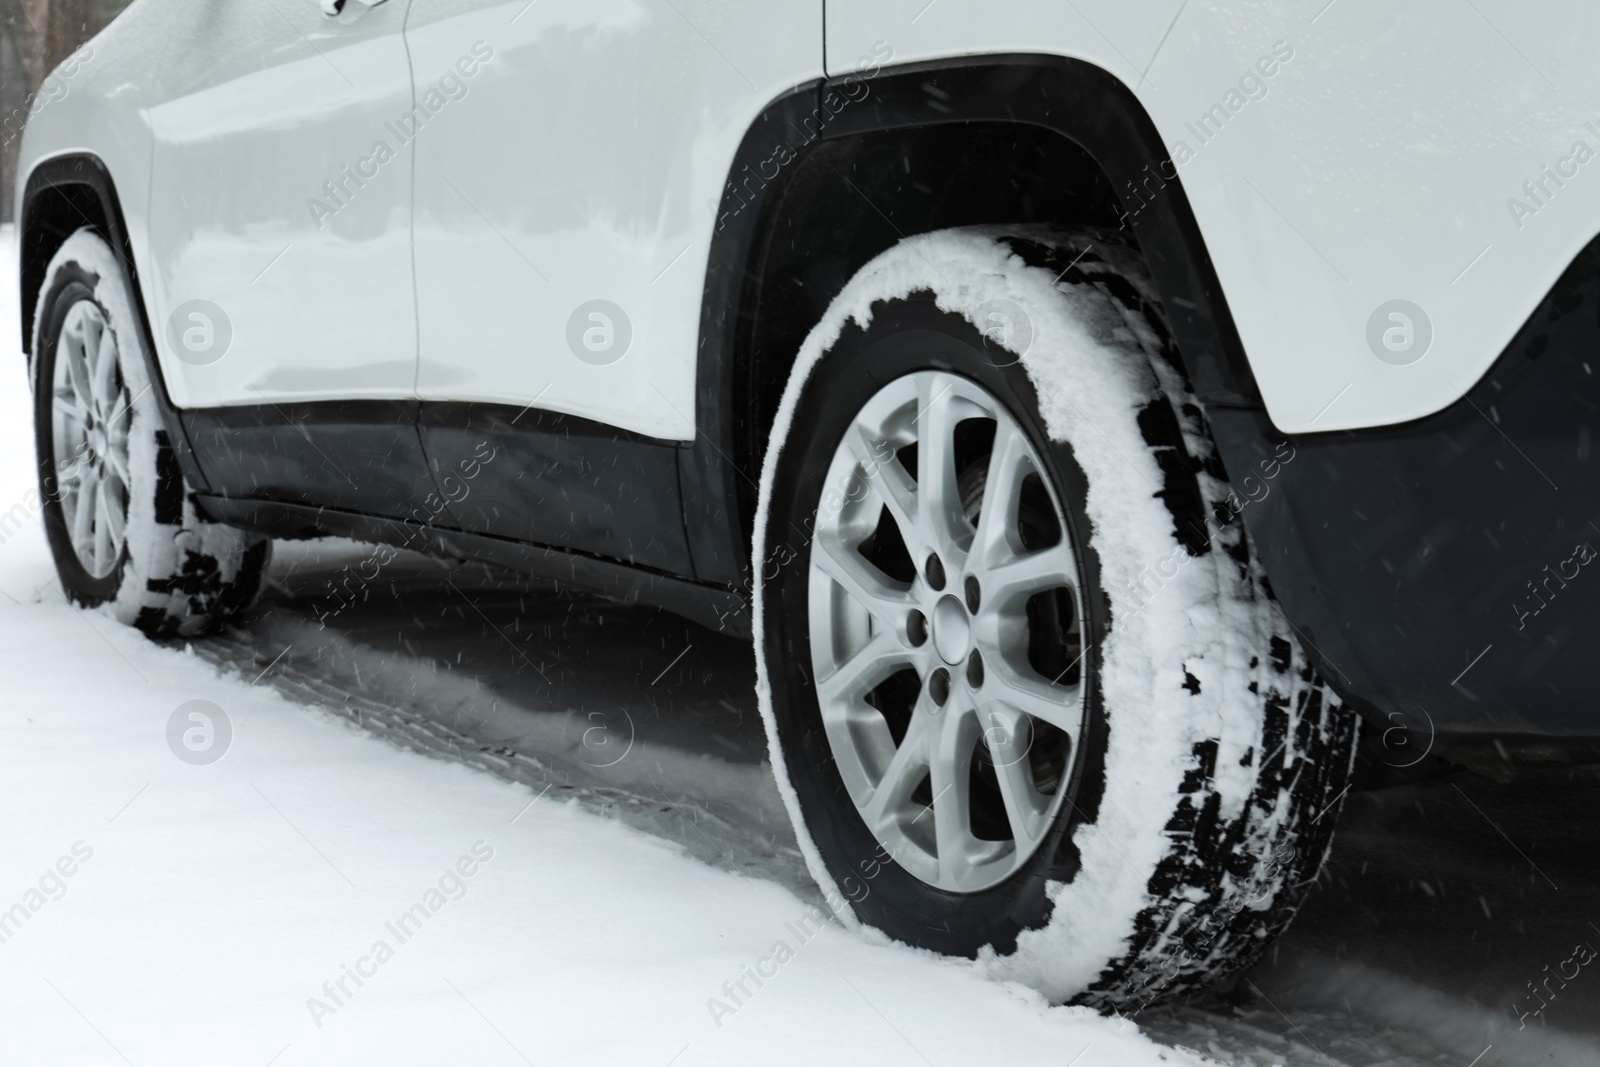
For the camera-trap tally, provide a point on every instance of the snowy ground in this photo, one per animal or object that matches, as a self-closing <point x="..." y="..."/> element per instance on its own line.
<point x="601" y="773"/>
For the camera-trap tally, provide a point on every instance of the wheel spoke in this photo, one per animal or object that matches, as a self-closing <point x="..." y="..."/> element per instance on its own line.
<point x="120" y="416"/>
<point x="72" y="449"/>
<point x="112" y="518"/>
<point x="1048" y="568"/>
<point x="102" y="531"/>
<point x="103" y="381"/>
<point x="871" y="588"/>
<point x="118" y="462"/>
<point x="950" y="776"/>
<point x="1008" y="736"/>
<point x="1058" y="705"/>
<point x="68" y="472"/>
<point x="83" y="515"/>
<point x="885" y="474"/>
<point x="66" y="403"/>
<point x="856" y="676"/>
<point x="939" y="510"/>
<point x="78" y="372"/>
<point x="1009" y="464"/>
<point x="888" y="800"/>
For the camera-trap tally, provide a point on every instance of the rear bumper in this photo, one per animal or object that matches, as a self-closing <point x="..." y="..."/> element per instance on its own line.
<point x="1448" y="570"/>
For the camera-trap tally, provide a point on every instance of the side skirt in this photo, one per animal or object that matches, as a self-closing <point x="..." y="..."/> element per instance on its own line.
<point x="717" y="608"/>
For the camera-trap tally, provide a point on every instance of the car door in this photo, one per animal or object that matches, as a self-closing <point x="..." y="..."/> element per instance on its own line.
<point x="280" y="240"/>
<point x="271" y="201"/>
<point x="570" y="154"/>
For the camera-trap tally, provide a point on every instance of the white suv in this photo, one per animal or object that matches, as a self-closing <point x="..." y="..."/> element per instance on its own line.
<point x="1058" y="393"/>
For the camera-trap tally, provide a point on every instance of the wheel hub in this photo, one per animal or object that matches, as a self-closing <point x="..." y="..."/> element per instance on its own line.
<point x="952" y="630"/>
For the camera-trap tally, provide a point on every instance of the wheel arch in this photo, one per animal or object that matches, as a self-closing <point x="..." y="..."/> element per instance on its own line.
<point x="62" y="195"/>
<point x="837" y="170"/>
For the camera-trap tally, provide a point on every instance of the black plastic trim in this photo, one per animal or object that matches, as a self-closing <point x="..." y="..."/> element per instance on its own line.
<point x="551" y="494"/>
<point x="1071" y="98"/>
<point x="358" y="455"/>
<point x="1433" y="566"/>
<point x="555" y="479"/>
<point x="711" y="468"/>
<point x="712" y="606"/>
<point x="1095" y="110"/>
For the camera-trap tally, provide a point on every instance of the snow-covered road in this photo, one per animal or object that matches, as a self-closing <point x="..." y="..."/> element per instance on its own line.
<point x="321" y="895"/>
<point x="473" y="819"/>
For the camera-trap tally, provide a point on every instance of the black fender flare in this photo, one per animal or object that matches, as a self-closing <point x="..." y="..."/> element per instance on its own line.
<point x="86" y="195"/>
<point x="1075" y="99"/>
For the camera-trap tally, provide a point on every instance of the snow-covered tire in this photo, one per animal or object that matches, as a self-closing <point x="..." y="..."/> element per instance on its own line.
<point x="147" y="552"/>
<point x="1210" y="760"/>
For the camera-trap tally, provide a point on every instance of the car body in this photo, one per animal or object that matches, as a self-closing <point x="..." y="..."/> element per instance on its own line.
<point x="522" y="281"/>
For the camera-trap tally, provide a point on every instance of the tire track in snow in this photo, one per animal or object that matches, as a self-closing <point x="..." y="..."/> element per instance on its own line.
<point x="725" y="814"/>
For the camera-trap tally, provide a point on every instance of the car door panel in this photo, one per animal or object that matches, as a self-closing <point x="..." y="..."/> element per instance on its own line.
<point x="579" y="163"/>
<point x="275" y="216"/>
<point x="571" y="155"/>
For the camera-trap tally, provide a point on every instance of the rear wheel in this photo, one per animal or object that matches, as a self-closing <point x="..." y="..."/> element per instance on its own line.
<point x="1028" y="696"/>
<point x="944" y="615"/>
<point x="121" y="525"/>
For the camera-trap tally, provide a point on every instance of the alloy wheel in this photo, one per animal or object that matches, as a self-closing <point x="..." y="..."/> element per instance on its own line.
<point x="90" y="420"/>
<point x="944" y="618"/>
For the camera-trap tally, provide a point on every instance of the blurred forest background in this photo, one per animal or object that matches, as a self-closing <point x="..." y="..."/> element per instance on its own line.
<point x="35" y="36"/>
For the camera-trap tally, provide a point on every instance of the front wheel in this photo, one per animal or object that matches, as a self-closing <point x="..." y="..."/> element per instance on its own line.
<point x="122" y="527"/>
<point x="1028" y="697"/>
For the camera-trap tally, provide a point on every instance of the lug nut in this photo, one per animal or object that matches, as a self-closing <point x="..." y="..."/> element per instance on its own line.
<point x="935" y="571"/>
<point x="939" y="686"/>
<point x="975" y="669"/>
<point x="917" y="628"/>
<point x="973" y="593"/>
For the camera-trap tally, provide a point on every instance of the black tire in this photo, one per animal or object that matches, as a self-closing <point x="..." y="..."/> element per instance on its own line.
<point x="1233" y="857"/>
<point x="176" y="573"/>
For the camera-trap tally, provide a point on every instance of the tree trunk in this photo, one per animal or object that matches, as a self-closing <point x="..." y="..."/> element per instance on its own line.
<point x="41" y="33"/>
